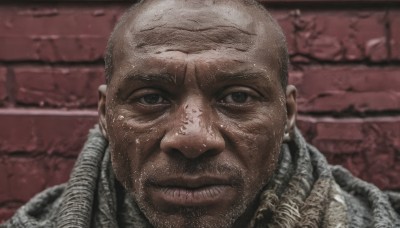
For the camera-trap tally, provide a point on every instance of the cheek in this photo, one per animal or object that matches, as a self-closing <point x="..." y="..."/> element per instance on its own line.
<point x="257" y="142"/>
<point x="261" y="152"/>
<point x="131" y="147"/>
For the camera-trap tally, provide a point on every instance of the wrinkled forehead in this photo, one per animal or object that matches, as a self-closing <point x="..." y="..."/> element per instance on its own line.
<point x="191" y="26"/>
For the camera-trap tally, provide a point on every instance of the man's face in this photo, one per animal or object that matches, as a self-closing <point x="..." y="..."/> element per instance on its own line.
<point x="195" y="112"/>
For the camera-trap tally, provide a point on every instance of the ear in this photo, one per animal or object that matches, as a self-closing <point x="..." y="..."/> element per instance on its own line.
<point x="102" y="110"/>
<point x="291" y="111"/>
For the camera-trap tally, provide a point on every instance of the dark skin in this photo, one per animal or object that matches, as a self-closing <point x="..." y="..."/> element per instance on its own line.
<point x="195" y="113"/>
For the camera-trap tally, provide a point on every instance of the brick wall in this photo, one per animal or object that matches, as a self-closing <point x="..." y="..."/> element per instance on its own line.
<point x="345" y="63"/>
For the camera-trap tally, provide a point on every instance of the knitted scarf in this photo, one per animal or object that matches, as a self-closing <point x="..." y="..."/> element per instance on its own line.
<point x="304" y="192"/>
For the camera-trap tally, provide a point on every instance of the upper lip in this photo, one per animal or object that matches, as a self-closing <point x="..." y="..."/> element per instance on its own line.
<point x="192" y="182"/>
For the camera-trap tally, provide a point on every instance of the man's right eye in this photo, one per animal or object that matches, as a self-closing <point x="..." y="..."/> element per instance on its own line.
<point x="152" y="99"/>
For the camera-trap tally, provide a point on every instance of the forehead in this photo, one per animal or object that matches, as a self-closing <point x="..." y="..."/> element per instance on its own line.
<point x="190" y="27"/>
<point x="196" y="29"/>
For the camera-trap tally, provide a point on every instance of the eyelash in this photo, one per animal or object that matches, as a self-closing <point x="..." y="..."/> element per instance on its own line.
<point x="231" y="97"/>
<point x="160" y="97"/>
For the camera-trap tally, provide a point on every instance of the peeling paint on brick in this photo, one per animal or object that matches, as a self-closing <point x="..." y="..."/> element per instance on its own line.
<point x="341" y="35"/>
<point x="347" y="89"/>
<point x="70" y="87"/>
<point x="368" y="147"/>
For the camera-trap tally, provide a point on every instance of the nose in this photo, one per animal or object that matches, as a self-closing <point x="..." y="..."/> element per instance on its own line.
<point x="193" y="134"/>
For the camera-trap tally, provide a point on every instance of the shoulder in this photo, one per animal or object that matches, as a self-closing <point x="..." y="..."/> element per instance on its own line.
<point x="366" y="203"/>
<point x="40" y="211"/>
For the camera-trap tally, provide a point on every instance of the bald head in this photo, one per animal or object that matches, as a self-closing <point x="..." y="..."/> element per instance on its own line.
<point x="194" y="108"/>
<point x="191" y="27"/>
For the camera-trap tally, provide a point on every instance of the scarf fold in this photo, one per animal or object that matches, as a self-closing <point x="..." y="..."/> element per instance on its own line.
<point x="304" y="192"/>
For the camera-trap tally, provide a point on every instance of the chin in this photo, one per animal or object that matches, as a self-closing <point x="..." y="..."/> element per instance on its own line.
<point x="191" y="217"/>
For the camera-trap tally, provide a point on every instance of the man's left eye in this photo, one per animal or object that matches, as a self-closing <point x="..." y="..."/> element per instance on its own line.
<point x="237" y="97"/>
<point x="152" y="99"/>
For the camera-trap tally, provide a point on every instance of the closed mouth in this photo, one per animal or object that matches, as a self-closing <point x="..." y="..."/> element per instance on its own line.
<point x="193" y="191"/>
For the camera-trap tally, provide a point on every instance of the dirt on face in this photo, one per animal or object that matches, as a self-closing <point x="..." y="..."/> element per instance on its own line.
<point x="195" y="111"/>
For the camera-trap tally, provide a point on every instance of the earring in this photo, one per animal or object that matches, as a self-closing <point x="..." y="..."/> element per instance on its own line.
<point x="286" y="137"/>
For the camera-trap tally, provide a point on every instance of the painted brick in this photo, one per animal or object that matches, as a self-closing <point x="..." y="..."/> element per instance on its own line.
<point x="51" y="33"/>
<point x="338" y="35"/>
<point x="347" y="89"/>
<point x="394" y="20"/>
<point x="60" y="169"/>
<point x="368" y="147"/>
<point x="45" y="131"/>
<point x="4" y="191"/>
<point x="69" y="87"/>
<point x="3" y="88"/>
<point x="52" y="48"/>
<point x="6" y="213"/>
<point x="24" y="177"/>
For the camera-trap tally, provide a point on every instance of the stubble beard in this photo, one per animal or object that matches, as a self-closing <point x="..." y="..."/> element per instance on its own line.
<point x="194" y="217"/>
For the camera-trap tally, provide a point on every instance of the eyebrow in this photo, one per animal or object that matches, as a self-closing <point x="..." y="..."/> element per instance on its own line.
<point x="146" y="78"/>
<point x="244" y="75"/>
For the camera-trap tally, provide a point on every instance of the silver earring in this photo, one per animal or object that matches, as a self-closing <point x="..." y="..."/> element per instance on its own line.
<point x="286" y="137"/>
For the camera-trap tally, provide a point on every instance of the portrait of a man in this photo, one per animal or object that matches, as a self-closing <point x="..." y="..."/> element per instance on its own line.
<point x="197" y="128"/>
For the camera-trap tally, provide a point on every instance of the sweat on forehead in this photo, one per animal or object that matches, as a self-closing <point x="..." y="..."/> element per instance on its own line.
<point x="155" y="26"/>
<point x="191" y="27"/>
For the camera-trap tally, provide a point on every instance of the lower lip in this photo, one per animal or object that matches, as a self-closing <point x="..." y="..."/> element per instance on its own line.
<point x="173" y="196"/>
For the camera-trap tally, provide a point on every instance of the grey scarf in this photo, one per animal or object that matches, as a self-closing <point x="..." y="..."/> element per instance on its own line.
<point x="304" y="192"/>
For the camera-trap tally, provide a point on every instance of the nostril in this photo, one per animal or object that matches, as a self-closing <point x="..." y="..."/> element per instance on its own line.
<point x="211" y="153"/>
<point x="174" y="152"/>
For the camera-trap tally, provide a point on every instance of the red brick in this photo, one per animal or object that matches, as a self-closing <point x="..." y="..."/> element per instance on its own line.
<point x="60" y="169"/>
<point x="338" y="35"/>
<point x="394" y="20"/>
<point x="52" y="48"/>
<point x="45" y="131"/>
<point x="23" y="177"/>
<point x="56" y="33"/>
<point x="351" y="89"/>
<point x="4" y="191"/>
<point x="3" y="88"/>
<point x="6" y="213"/>
<point x="368" y="147"/>
<point x="58" y="87"/>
